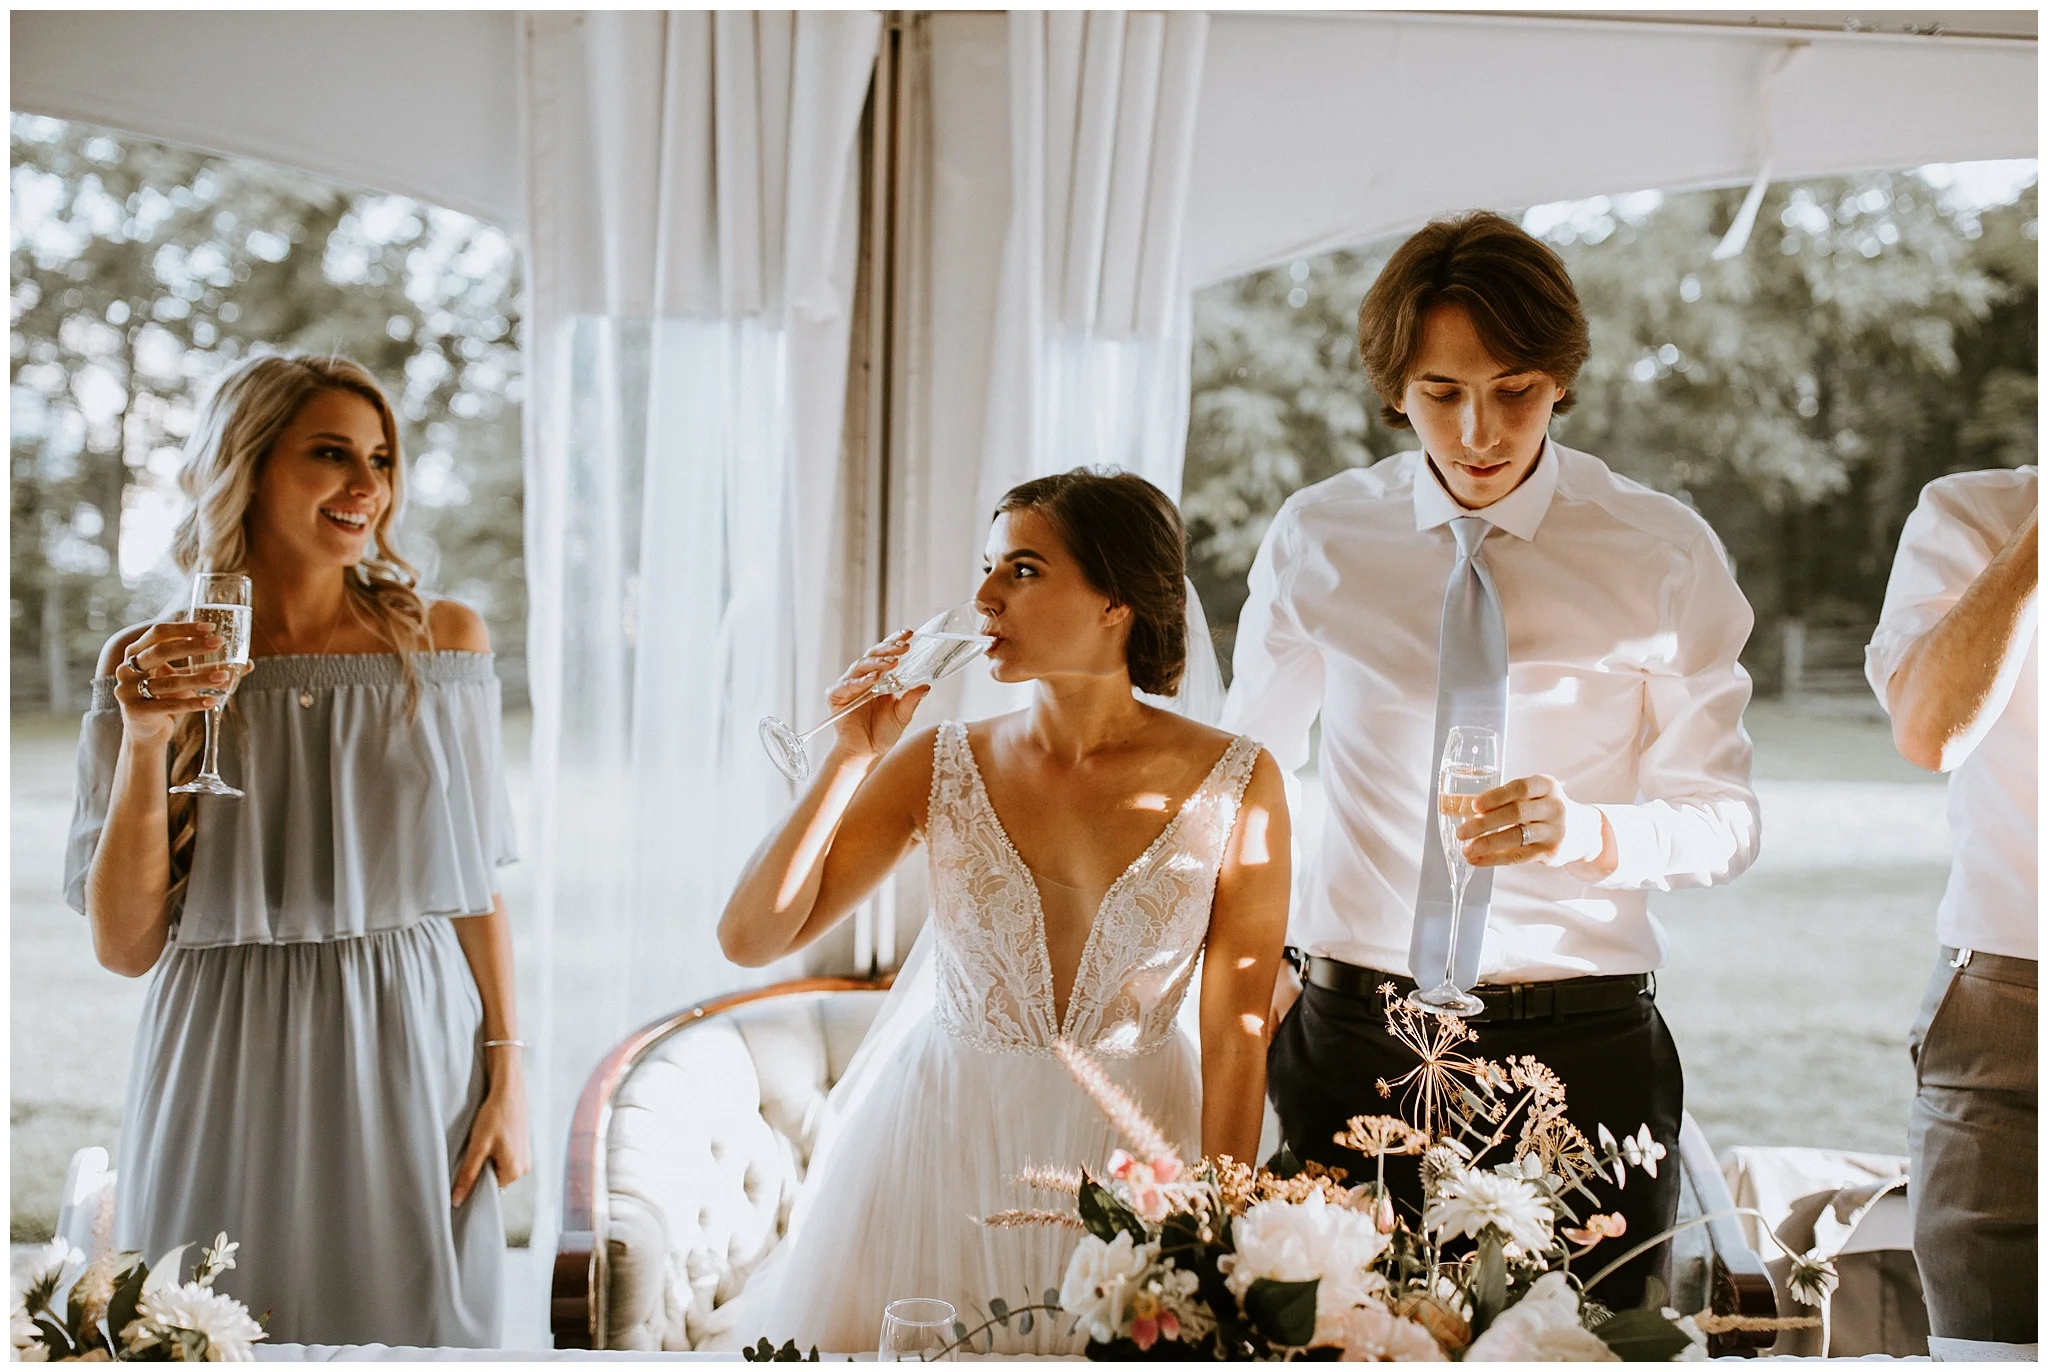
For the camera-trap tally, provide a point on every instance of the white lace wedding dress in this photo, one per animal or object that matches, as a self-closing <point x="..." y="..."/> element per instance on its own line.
<point x="928" y="1134"/>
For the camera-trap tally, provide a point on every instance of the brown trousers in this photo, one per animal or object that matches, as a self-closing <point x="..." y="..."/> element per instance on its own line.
<point x="1972" y="1139"/>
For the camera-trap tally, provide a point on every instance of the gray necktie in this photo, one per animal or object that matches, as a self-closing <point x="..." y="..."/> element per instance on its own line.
<point x="1471" y="688"/>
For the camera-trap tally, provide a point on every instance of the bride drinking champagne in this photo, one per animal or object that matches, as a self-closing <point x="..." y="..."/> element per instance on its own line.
<point x="1083" y="853"/>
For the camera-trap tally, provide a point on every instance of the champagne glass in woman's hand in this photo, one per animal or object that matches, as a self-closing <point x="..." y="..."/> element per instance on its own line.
<point x="941" y="646"/>
<point x="220" y="602"/>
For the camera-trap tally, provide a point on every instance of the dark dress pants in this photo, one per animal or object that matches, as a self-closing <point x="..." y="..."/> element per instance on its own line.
<point x="1620" y="1068"/>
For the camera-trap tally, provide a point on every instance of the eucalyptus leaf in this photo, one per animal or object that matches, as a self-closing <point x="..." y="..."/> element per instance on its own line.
<point x="1052" y="1297"/>
<point x="999" y="1311"/>
<point x="1284" y="1312"/>
<point x="1024" y="1322"/>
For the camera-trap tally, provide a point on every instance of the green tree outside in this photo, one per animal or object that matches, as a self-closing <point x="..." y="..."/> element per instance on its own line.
<point x="140" y="271"/>
<point x="1875" y="333"/>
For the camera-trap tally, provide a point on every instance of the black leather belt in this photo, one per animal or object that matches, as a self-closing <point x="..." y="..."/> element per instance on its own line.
<point x="1516" y="1000"/>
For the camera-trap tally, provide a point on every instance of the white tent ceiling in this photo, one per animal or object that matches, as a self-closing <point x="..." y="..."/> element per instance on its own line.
<point x="1316" y="128"/>
<point x="420" y="102"/>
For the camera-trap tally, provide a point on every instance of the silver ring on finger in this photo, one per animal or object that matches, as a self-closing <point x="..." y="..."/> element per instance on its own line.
<point x="142" y="685"/>
<point x="1526" y="840"/>
<point x="133" y="664"/>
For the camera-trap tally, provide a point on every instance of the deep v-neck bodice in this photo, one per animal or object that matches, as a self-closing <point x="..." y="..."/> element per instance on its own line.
<point x="1137" y="959"/>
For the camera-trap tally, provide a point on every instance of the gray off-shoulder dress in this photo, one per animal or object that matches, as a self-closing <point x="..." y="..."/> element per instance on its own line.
<point x="310" y="1054"/>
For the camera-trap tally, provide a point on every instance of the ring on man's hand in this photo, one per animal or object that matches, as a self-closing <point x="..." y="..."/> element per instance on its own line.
<point x="1526" y="840"/>
<point x="142" y="685"/>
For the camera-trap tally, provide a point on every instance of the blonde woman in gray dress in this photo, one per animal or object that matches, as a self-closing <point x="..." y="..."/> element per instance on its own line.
<point x="328" y="1059"/>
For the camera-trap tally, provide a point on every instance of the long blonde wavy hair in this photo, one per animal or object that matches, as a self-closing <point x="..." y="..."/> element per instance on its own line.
<point x="253" y="404"/>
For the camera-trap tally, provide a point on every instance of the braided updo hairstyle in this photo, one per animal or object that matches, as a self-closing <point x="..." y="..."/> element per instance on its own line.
<point x="1128" y="538"/>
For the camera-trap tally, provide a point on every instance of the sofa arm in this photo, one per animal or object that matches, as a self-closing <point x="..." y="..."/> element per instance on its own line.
<point x="1740" y="1284"/>
<point x="579" y="1283"/>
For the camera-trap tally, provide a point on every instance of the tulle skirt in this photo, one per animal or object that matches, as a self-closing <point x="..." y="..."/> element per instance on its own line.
<point x="891" y="1205"/>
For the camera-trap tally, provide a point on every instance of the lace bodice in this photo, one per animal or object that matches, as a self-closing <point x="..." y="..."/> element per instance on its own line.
<point x="994" y="975"/>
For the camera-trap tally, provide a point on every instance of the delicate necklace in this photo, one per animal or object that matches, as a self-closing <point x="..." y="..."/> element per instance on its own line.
<point x="333" y="627"/>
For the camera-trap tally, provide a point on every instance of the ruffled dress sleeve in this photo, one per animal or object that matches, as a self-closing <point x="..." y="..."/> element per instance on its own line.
<point x="99" y="747"/>
<point x="367" y="809"/>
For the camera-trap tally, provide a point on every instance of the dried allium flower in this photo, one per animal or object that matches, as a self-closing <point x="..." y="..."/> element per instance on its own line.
<point x="1811" y="1279"/>
<point x="1382" y="1136"/>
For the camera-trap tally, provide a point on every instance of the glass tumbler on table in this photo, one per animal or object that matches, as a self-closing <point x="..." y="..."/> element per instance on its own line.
<point x="917" y="1330"/>
<point x="1470" y="768"/>
<point x="941" y="646"/>
<point x="220" y="601"/>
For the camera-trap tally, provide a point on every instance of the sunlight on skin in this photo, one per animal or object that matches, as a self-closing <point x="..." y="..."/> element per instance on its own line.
<point x="1150" y="800"/>
<point x="1254" y="852"/>
<point x="1254" y="1025"/>
<point x="817" y="838"/>
<point x="1245" y="963"/>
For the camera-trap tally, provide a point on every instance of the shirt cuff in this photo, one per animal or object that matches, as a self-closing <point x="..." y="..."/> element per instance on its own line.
<point x="1638" y="850"/>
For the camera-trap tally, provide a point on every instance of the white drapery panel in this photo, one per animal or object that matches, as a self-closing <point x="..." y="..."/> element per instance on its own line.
<point x="1090" y="360"/>
<point x="693" y="192"/>
<point x="1092" y="328"/>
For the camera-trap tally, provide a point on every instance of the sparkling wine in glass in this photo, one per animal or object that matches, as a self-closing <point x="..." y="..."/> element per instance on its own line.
<point x="941" y="646"/>
<point x="1470" y="768"/>
<point x="220" y="601"/>
<point x="917" y="1330"/>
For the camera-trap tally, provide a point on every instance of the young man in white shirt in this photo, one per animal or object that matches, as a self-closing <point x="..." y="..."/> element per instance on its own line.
<point x="1953" y="662"/>
<point x="1628" y="769"/>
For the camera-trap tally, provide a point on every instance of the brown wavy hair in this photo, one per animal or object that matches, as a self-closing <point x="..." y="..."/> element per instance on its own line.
<point x="238" y="428"/>
<point x="1514" y="288"/>
<point x="1131" y="545"/>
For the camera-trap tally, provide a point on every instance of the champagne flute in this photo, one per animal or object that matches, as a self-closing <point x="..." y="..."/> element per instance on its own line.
<point x="1470" y="768"/>
<point x="941" y="646"/>
<point x="917" y="1330"/>
<point x="220" y="601"/>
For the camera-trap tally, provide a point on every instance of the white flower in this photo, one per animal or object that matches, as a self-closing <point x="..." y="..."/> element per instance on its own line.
<point x="1541" y="1327"/>
<point x="1642" y="1151"/>
<point x="1100" y="1280"/>
<point x="1370" y="1332"/>
<point x="222" y="1320"/>
<point x="1468" y="1203"/>
<point x="1308" y="1240"/>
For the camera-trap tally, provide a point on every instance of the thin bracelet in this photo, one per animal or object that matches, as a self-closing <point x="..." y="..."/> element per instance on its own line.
<point x="504" y="1043"/>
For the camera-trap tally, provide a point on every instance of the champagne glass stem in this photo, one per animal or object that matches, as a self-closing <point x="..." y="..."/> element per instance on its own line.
<point x="210" y="768"/>
<point x="817" y="729"/>
<point x="1457" y="917"/>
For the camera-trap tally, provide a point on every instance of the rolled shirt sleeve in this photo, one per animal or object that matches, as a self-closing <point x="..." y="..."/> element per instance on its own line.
<point x="99" y="749"/>
<point x="1944" y="547"/>
<point x="1696" y="821"/>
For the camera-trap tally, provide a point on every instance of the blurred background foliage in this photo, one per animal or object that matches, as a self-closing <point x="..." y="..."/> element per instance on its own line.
<point x="140" y="271"/>
<point x="1877" y="332"/>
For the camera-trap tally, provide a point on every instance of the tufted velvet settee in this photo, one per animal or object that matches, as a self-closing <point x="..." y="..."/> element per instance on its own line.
<point x="685" y="1153"/>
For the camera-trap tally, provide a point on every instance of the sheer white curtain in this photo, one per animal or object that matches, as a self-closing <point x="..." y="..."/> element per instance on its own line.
<point x="693" y="192"/>
<point x="1092" y="333"/>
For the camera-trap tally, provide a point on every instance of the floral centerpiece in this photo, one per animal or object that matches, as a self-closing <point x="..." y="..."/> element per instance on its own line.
<point x="1221" y="1260"/>
<point x="119" y="1308"/>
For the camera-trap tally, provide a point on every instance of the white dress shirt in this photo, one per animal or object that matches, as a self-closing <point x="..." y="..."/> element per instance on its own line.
<point x="1624" y="624"/>
<point x="1952" y="535"/>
